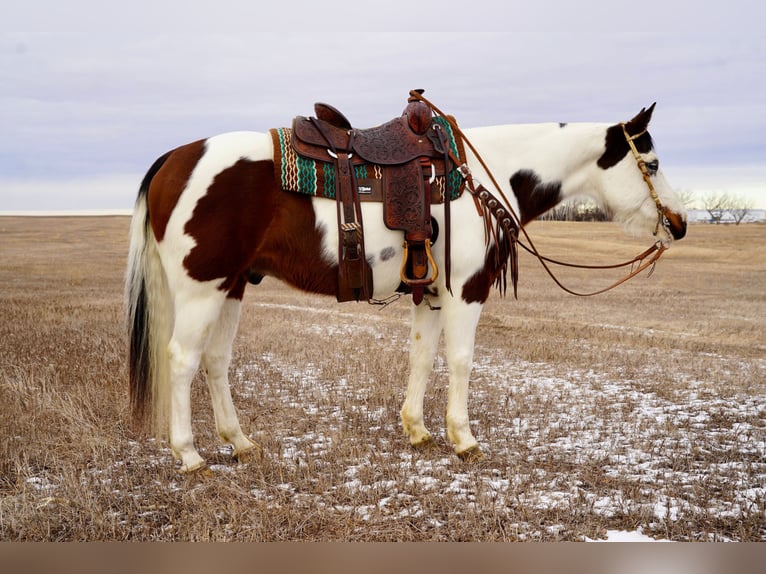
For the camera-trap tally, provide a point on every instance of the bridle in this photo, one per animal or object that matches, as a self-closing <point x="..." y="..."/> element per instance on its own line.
<point x="662" y="211"/>
<point x="638" y="264"/>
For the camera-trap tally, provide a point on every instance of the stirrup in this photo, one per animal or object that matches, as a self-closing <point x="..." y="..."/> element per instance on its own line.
<point x="426" y="280"/>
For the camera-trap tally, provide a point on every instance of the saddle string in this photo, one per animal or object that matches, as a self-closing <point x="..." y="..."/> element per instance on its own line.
<point x="655" y="250"/>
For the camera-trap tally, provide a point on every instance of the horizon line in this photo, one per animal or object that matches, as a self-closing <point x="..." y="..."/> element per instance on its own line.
<point x="66" y="213"/>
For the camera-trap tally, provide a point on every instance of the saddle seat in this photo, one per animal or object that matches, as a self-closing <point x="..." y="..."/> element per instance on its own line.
<point x="395" y="142"/>
<point x="409" y="152"/>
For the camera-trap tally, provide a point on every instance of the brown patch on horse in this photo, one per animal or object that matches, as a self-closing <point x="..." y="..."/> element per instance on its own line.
<point x="534" y="196"/>
<point x="676" y="223"/>
<point x="169" y="182"/>
<point x="246" y="226"/>
<point x="476" y="289"/>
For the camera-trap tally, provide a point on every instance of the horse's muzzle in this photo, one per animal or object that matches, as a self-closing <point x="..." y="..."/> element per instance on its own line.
<point x="674" y="223"/>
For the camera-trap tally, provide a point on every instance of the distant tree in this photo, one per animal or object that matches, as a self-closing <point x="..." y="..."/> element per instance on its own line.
<point x="719" y="204"/>
<point x="576" y="210"/>
<point x="687" y="197"/>
<point x="740" y="208"/>
<point x="589" y="211"/>
<point x="716" y="204"/>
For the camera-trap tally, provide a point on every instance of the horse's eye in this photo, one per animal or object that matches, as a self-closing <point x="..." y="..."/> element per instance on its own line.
<point x="653" y="166"/>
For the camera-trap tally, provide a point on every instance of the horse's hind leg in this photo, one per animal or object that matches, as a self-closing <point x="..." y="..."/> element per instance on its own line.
<point x="195" y="317"/>
<point x="424" y="339"/>
<point x="215" y="362"/>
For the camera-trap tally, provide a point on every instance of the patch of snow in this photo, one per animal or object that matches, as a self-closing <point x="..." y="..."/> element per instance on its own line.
<point x="624" y="536"/>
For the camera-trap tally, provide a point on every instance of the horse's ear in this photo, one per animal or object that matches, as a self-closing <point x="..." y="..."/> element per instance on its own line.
<point x="641" y="120"/>
<point x="649" y="113"/>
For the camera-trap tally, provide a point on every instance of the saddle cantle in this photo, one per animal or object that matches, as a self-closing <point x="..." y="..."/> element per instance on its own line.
<point x="329" y="114"/>
<point x="406" y="154"/>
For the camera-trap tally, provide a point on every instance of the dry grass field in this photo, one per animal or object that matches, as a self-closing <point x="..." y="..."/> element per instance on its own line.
<point x="643" y="409"/>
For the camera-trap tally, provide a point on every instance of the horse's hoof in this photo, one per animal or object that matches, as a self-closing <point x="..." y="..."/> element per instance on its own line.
<point x="201" y="470"/>
<point x="472" y="454"/>
<point x="251" y="454"/>
<point x="204" y="472"/>
<point x="425" y="443"/>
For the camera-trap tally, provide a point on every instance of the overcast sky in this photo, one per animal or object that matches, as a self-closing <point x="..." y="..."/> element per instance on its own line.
<point x="92" y="92"/>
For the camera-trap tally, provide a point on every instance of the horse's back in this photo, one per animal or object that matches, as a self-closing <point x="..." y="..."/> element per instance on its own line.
<point x="191" y="170"/>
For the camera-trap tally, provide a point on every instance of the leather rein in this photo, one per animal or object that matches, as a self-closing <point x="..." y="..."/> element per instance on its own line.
<point x="638" y="264"/>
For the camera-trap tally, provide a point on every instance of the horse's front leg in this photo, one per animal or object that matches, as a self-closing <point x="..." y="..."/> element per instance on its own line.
<point x="425" y="329"/>
<point x="460" y="322"/>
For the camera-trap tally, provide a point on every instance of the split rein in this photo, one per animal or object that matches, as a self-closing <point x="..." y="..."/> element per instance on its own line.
<point x="641" y="262"/>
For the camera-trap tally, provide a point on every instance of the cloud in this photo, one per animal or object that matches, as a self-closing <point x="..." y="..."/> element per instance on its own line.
<point x="92" y="90"/>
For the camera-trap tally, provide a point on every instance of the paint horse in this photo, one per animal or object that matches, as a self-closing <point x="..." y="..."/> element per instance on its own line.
<point x="212" y="215"/>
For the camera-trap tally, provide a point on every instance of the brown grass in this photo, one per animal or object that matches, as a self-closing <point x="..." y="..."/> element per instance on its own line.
<point x="641" y="408"/>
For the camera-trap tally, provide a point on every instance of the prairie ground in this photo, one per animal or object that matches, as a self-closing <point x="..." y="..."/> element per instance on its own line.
<point x="642" y="409"/>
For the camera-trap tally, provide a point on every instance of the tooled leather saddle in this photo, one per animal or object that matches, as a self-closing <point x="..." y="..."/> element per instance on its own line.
<point x="409" y="153"/>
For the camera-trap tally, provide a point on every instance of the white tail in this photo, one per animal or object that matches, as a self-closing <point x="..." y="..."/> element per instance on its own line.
<point x="149" y="320"/>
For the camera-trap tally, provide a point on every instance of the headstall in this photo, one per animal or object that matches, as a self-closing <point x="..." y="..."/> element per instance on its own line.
<point x="661" y="209"/>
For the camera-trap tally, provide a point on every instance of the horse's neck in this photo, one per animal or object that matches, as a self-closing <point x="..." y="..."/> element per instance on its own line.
<point x="554" y="153"/>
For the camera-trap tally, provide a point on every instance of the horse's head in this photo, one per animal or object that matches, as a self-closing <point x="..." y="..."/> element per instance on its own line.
<point x="635" y="190"/>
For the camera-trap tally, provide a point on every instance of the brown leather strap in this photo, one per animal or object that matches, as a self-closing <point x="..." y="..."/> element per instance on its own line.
<point x="417" y="238"/>
<point x="447" y="201"/>
<point x="638" y="264"/>
<point x="354" y="276"/>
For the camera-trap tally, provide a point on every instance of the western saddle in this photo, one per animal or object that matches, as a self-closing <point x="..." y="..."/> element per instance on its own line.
<point x="410" y="151"/>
